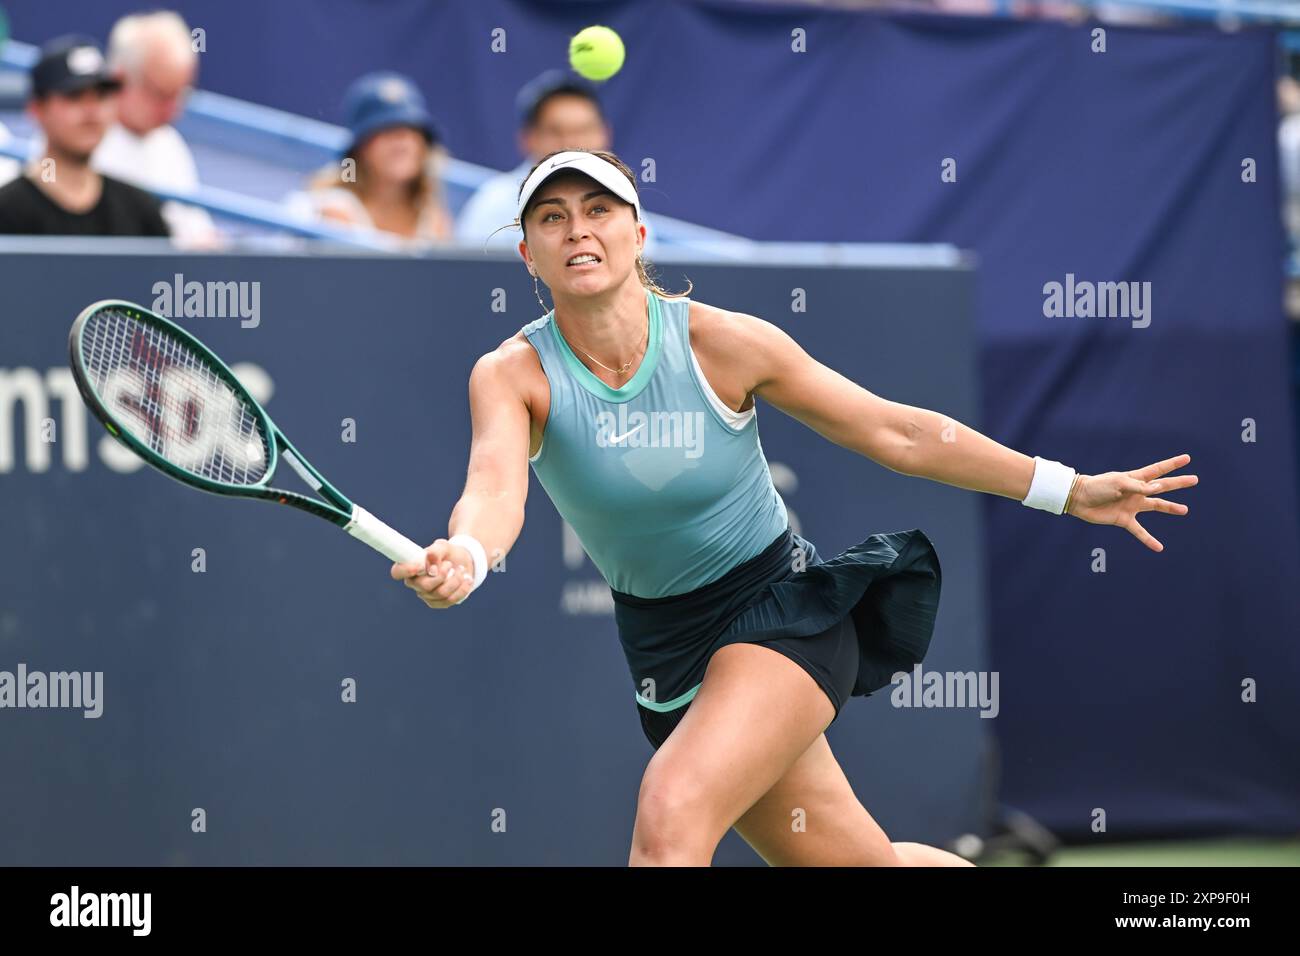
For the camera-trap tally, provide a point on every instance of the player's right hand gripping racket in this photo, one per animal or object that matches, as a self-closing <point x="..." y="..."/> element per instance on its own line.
<point x="168" y="398"/>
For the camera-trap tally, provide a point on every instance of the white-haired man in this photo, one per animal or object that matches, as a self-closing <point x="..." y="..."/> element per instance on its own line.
<point x="154" y="57"/>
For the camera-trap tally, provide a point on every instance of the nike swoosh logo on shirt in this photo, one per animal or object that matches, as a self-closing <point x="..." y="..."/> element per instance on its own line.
<point x="615" y="439"/>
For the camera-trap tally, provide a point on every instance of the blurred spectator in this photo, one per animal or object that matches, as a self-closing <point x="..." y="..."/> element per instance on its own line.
<point x="972" y="8"/>
<point x="1124" y="15"/>
<point x="389" y="178"/>
<point x="72" y="100"/>
<point x="1288" y="136"/>
<point x="1046" y="10"/>
<point x="1116" y="14"/>
<point x="153" y="55"/>
<point x="556" y="110"/>
<point x="9" y="168"/>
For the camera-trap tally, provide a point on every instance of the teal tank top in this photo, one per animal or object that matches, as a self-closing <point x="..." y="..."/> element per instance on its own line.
<point x="664" y="484"/>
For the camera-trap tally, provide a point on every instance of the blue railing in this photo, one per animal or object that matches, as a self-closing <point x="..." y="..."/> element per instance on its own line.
<point x="705" y="244"/>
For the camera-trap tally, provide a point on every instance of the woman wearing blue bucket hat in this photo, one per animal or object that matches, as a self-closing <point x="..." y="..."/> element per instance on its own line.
<point x="388" y="176"/>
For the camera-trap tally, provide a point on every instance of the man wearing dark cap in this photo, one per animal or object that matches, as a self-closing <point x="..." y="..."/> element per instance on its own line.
<point x="556" y="110"/>
<point x="72" y="100"/>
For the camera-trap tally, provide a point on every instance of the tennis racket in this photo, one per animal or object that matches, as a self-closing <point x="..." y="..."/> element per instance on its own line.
<point x="167" y="397"/>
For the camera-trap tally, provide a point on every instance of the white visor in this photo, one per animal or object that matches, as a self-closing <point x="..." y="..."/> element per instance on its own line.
<point x="605" y="173"/>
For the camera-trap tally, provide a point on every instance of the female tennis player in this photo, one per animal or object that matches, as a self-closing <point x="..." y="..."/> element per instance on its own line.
<point x="636" y="409"/>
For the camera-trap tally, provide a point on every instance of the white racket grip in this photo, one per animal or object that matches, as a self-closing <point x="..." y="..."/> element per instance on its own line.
<point x="392" y="544"/>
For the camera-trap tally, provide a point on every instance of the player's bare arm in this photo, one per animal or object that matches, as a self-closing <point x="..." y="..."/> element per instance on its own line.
<point x="762" y="359"/>
<point x="491" y="506"/>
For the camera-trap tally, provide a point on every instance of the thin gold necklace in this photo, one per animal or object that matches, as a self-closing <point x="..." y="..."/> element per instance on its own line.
<point x="628" y="364"/>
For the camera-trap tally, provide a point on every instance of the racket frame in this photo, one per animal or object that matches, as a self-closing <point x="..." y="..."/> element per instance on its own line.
<point x="337" y="508"/>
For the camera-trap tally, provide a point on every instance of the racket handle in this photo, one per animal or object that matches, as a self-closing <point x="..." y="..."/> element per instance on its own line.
<point x="392" y="544"/>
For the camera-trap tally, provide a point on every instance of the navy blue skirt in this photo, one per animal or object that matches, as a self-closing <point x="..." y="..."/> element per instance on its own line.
<point x="887" y="585"/>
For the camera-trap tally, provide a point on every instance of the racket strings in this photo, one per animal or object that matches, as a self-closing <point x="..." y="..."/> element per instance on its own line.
<point x="172" y="399"/>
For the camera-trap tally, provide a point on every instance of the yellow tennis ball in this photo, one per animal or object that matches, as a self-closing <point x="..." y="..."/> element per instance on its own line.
<point x="596" y="53"/>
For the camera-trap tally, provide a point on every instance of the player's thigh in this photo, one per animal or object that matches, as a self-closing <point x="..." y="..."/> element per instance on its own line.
<point x="811" y="817"/>
<point x="755" y="713"/>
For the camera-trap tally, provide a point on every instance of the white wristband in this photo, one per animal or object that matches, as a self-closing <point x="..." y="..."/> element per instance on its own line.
<point x="475" y="548"/>
<point x="1050" y="487"/>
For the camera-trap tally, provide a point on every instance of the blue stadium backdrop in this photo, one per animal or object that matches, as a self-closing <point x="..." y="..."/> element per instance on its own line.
<point x="1120" y="690"/>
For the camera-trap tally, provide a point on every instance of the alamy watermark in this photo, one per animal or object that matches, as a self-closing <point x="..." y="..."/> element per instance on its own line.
<point x="946" y="689"/>
<point x="1103" y="300"/>
<point x="209" y="300"/>
<point x="75" y="908"/>
<point x="82" y="690"/>
<point x="651" y="430"/>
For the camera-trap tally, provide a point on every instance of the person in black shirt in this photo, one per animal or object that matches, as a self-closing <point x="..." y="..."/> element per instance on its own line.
<point x="72" y="98"/>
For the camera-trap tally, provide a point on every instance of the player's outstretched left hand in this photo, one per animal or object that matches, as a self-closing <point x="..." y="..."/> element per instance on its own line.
<point x="1117" y="497"/>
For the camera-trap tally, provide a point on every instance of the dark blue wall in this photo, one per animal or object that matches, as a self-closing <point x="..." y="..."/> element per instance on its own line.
<point x="222" y="689"/>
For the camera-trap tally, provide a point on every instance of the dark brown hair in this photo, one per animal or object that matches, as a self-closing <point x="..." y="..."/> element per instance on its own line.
<point x="644" y="271"/>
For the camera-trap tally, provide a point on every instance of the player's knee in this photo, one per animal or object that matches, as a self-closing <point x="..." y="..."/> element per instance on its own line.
<point x="673" y="813"/>
<point x="897" y="854"/>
